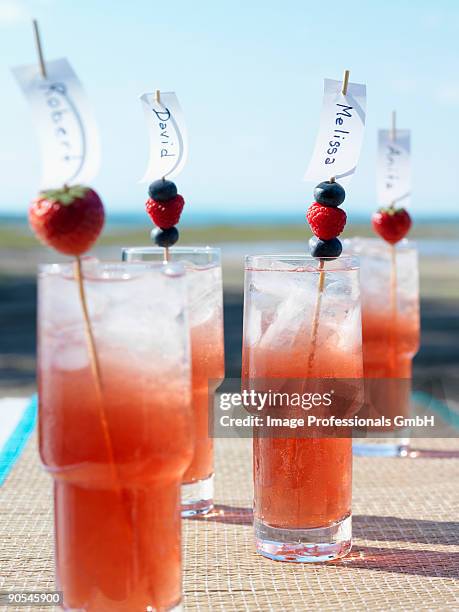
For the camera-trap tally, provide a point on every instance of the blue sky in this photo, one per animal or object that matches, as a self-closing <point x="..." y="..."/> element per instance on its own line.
<point x="249" y="78"/>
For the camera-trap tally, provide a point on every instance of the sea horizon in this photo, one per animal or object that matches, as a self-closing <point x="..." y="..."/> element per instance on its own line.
<point x="209" y="218"/>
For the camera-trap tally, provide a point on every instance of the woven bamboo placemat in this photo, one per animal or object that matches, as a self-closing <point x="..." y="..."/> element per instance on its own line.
<point x="405" y="555"/>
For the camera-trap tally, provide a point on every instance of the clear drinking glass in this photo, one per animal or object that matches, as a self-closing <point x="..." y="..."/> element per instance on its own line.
<point x="389" y="281"/>
<point x="116" y="451"/>
<point x="205" y="304"/>
<point x="302" y="486"/>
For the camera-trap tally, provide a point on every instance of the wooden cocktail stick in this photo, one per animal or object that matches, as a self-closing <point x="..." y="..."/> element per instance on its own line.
<point x="320" y="287"/>
<point x="78" y="268"/>
<point x="393" y="275"/>
<point x="96" y="373"/>
<point x="38" y="45"/>
<point x="95" y="366"/>
<point x="393" y="308"/>
<point x="158" y="101"/>
<point x="79" y="278"/>
<point x="345" y="82"/>
<point x="93" y="358"/>
<point x="315" y="320"/>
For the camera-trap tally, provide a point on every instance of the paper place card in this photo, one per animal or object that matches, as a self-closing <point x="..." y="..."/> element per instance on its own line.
<point x="69" y="138"/>
<point x="342" y="123"/>
<point x="393" y="166"/>
<point x="168" y="136"/>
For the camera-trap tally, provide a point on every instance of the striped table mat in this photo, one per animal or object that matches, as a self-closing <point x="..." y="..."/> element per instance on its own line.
<point x="405" y="555"/>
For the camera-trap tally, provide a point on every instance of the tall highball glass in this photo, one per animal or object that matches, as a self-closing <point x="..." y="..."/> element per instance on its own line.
<point x="205" y="305"/>
<point x="302" y="485"/>
<point x="116" y="443"/>
<point x="389" y="282"/>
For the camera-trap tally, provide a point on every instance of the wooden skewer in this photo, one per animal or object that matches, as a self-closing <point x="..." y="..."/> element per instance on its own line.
<point x="394" y="127"/>
<point x="316" y="318"/>
<point x="393" y="136"/>
<point x="394" y="309"/>
<point x="41" y="59"/>
<point x="94" y="360"/>
<point x="393" y="276"/>
<point x="95" y="368"/>
<point x="345" y="82"/>
<point x="321" y="285"/>
<point x="158" y="101"/>
<point x="344" y="92"/>
<point x="79" y="277"/>
<point x="88" y="328"/>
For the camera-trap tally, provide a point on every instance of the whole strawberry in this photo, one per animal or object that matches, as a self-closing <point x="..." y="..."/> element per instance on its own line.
<point x="68" y="219"/>
<point x="392" y="224"/>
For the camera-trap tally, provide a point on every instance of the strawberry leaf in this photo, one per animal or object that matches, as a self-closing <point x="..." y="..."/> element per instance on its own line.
<point x="66" y="195"/>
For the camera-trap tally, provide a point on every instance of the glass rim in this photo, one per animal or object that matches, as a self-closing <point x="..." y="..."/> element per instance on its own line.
<point x="198" y="258"/>
<point x="173" y="249"/>
<point x="305" y="263"/>
<point x="111" y="270"/>
<point x="377" y="244"/>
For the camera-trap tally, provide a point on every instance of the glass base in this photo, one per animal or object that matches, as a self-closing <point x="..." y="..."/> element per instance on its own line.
<point x="198" y="497"/>
<point x="373" y="448"/>
<point x="304" y="545"/>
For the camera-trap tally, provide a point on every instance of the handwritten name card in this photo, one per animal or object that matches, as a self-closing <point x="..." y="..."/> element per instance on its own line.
<point x="168" y="136"/>
<point x="341" y="127"/>
<point x="66" y="127"/>
<point x="393" y="166"/>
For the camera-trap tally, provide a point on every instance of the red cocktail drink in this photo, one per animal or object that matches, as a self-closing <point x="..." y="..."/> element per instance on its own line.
<point x="117" y="455"/>
<point x="390" y="328"/>
<point x="302" y="484"/>
<point x="207" y="373"/>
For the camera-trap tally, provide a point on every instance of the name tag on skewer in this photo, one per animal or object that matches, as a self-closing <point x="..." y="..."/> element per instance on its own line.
<point x="340" y="135"/>
<point x="393" y="166"/>
<point x="69" y="138"/>
<point x="168" y="135"/>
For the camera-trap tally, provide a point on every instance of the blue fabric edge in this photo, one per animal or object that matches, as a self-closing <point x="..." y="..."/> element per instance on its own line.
<point x="14" y="446"/>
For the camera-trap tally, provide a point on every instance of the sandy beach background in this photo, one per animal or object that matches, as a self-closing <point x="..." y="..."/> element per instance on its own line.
<point x="438" y="243"/>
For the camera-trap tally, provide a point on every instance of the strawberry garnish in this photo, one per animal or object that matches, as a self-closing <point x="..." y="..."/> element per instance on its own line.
<point x="326" y="222"/>
<point x="68" y="219"/>
<point x="165" y="214"/>
<point x="392" y="224"/>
